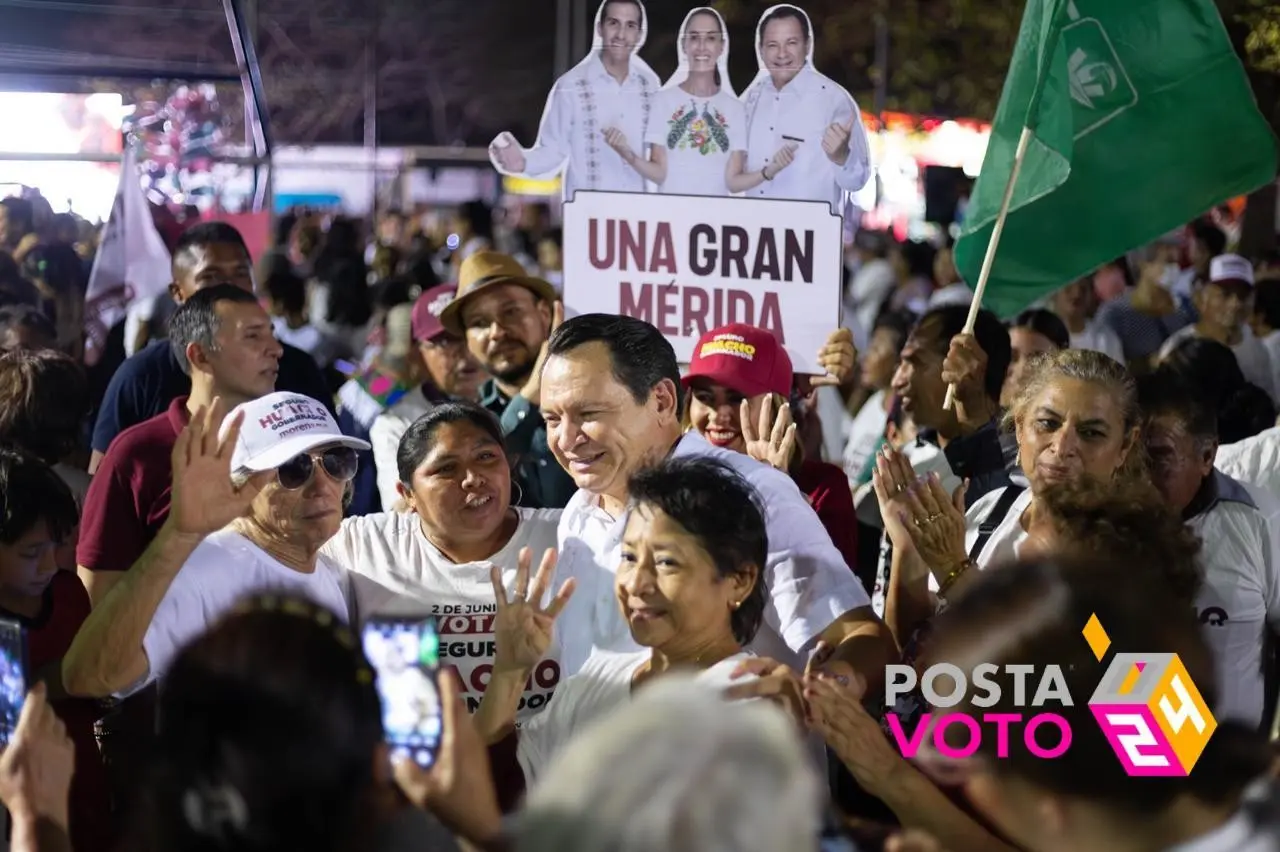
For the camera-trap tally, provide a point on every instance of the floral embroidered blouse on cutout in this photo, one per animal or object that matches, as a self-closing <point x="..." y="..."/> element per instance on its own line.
<point x="698" y="135"/>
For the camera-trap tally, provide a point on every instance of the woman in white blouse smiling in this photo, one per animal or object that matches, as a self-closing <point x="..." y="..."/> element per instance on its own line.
<point x="690" y="591"/>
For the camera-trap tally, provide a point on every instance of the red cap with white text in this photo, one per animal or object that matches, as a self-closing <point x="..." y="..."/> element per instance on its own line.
<point x="742" y="358"/>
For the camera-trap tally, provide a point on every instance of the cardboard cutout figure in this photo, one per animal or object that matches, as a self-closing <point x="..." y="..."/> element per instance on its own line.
<point x="803" y="130"/>
<point x="697" y="137"/>
<point x="608" y="95"/>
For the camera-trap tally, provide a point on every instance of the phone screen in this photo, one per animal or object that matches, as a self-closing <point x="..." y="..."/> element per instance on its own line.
<point x="13" y="676"/>
<point x="406" y="655"/>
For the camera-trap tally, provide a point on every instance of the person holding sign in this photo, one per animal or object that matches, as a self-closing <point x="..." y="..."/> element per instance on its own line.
<point x="800" y="120"/>
<point x="740" y="375"/>
<point x="608" y="95"/>
<point x="697" y="139"/>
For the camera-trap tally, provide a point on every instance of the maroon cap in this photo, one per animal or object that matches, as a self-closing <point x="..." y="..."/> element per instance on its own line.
<point x="427" y="310"/>
<point x="743" y="358"/>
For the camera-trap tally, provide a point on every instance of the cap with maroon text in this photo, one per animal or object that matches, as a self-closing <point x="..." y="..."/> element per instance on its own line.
<point x="743" y="358"/>
<point x="427" y="310"/>
<point x="282" y="425"/>
<point x="1230" y="267"/>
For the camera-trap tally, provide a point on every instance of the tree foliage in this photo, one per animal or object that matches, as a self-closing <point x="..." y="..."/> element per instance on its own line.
<point x="438" y="81"/>
<point x="949" y="57"/>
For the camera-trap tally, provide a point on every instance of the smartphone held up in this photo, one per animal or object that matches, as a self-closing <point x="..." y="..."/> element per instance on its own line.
<point x="405" y="654"/>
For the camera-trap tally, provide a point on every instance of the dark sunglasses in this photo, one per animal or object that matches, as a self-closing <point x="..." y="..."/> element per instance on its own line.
<point x="339" y="463"/>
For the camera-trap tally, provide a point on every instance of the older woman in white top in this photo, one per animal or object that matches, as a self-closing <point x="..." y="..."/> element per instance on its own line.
<point x="689" y="586"/>
<point x="697" y="139"/>
<point x="1076" y="417"/>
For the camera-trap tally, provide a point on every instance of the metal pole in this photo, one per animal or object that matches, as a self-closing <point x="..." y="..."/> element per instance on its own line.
<point x="371" y="103"/>
<point x="582" y="30"/>
<point x="251" y="82"/>
<point x="564" y="35"/>
<point x="882" y="66"/>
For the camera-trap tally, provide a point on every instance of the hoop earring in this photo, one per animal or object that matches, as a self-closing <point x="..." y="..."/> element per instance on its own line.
<point x="515" y="483"/>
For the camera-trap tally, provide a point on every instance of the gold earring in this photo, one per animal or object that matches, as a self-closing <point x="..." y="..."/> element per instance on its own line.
<point x="735" y="605"/>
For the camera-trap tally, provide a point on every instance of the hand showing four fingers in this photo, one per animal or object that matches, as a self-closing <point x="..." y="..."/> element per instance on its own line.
<point x="522" y="627"/>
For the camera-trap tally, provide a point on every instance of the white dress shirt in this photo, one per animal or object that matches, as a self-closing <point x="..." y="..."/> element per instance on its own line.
<point x="809" y="586"/>
<point x="583" y="103"/>
<point x="803" y="109"/>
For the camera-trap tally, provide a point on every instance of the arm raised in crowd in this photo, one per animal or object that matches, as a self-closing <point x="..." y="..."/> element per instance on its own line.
<point x="107" y="655"/>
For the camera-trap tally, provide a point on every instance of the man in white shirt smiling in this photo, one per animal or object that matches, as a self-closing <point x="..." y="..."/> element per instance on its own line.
<point x="790" y="102"/>
<point x="612" y="89"/>
<point x="612" y="403"/>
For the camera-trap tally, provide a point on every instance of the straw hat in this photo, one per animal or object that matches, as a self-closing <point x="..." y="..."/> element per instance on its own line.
<point x="486" y="269"/>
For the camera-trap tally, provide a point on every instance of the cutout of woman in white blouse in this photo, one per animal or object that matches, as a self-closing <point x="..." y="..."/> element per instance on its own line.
<point x="696" y="139"/>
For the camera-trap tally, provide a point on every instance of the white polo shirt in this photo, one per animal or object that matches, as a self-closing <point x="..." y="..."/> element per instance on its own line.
<point x="1240" y="600"/>
<point x="808" y="584"/>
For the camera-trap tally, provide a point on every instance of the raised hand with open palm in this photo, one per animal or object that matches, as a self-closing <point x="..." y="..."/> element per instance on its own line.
<point x="204" y="499"/>
<point x="522" y="627"/>
<point x="768" y="438"/>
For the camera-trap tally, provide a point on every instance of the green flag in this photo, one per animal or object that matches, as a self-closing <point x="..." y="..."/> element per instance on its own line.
<point x="1143" y="119"/>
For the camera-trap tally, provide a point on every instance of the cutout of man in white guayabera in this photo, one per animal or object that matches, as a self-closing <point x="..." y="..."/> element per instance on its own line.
<point x="804" y="132"/>
<point x="697" y="140"/>
<point x="609" y="93"/>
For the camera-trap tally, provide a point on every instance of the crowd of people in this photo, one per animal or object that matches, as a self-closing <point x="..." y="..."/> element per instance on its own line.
<point x="386" y="422"/>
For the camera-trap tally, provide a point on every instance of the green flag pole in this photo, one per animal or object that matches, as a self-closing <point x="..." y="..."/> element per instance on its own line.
<point x="989" y="259"/>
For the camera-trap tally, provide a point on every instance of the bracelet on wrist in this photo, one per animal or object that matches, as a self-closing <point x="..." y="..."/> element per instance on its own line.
<point x="764" y="173"/>
<point x="955" y="574"/>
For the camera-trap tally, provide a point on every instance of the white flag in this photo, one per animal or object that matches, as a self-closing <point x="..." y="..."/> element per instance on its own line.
<point x="132" y="261"/>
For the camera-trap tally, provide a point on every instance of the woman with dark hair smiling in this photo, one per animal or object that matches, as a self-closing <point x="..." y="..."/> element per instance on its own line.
<point x="689" y="586"/>
<point x="434" y="559"/>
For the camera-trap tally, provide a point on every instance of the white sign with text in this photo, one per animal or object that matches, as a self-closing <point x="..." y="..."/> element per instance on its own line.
<point x="688" y="264"/>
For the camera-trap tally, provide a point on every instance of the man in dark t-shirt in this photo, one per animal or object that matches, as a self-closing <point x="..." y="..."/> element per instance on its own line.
<point x="207" y="254"/>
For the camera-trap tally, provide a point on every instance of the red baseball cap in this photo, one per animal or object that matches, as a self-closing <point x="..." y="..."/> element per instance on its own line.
<point x="427" y="310"/>
<point x="743" y="358"/>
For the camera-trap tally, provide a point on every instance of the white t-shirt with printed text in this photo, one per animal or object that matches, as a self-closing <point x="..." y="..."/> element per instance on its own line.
<point x="698" y="135"/>
<point x="222" y="571"/>
<point x="398" y="572"/>
<point x="603" y="685"/>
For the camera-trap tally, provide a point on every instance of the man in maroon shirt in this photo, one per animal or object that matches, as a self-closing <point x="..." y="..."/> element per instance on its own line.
<point x="223" y="339"/>
<point x="37" y="513"/>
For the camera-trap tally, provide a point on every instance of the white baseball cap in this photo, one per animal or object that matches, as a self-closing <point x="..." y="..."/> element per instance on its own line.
<point x="282" y="425"/>
<point x="1231" y="267"/>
